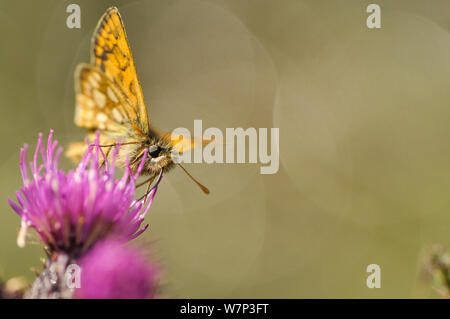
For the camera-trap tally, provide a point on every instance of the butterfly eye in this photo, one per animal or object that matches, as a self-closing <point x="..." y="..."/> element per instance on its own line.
<point x="154" y="150"/>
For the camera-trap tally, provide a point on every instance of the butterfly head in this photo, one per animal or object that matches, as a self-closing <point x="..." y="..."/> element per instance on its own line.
<point x="159" y="155"/>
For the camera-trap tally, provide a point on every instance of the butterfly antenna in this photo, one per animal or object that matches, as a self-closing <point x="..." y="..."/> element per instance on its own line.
<point x="115" y="144"/>
<point x="203" y="188"/>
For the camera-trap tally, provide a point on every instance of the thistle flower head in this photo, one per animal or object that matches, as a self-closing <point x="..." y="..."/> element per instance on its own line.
<point x="73" y="210"/>
<point x="113" y="270"/>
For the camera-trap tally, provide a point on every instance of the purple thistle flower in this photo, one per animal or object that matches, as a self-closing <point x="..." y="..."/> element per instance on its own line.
<point x="113" y="270"/>
<point x="72" y="211"/>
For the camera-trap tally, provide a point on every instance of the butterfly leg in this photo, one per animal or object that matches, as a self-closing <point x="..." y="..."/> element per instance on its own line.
<point x="106" y="156"/>
<point x="149" y="181"/>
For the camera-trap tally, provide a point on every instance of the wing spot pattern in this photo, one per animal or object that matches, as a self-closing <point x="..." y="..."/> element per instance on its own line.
<point x="101" y="117"/>
<point x="97" y="76"/>
<point x="111" y="95"/>
<point x="90" y="103"/>
<point x="93" y="81"/>
<point x="117" y="116"/>
<point x="99" y="98"/>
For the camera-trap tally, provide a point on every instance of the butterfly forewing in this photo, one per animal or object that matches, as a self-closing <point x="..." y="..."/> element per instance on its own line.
<point x="111" y="54"/>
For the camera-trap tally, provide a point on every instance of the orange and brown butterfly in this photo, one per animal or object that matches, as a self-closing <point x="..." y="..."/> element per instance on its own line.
<point x="109" y="100"/>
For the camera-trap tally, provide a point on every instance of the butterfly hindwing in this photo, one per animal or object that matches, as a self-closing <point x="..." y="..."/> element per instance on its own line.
<point x="100" y="104"/>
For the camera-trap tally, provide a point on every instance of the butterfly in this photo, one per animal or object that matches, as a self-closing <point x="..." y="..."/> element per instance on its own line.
<point x="109" y="100"/>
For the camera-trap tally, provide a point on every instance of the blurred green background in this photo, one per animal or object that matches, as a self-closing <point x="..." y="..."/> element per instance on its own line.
<point x="364" y="118"/>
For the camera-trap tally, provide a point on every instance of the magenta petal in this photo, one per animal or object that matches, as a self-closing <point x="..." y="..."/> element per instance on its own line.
<point x="113" y="270"/>
<point x="85" y="203"/>
<point x="139" y="232"/>
<point x="16" y="208"/>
